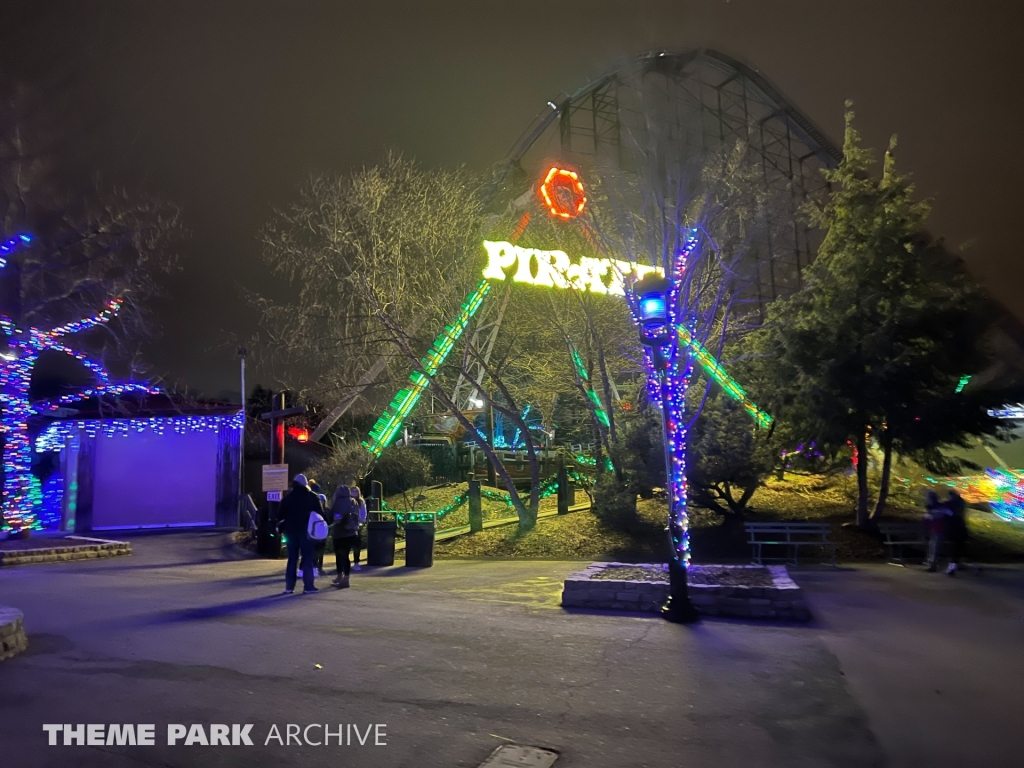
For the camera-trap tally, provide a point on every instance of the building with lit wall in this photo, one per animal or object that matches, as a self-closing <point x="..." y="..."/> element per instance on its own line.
<point x="151" y="462"/>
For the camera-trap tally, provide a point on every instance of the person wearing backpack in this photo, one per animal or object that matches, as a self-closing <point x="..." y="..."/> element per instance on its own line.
<point x="345" y="516"/>
<point x="319" y="544"/>
<point x="357" y="496"/>
<point x="297" y="523"/>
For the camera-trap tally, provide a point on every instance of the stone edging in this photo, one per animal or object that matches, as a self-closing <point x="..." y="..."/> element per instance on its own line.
<point x="12" y="633"/>
<point x="782" y="600"/>
<point x="89" y="549"/>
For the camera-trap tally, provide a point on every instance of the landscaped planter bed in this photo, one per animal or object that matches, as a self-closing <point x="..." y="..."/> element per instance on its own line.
<point x="746" y="591"/>
<point x="57" y="550"/>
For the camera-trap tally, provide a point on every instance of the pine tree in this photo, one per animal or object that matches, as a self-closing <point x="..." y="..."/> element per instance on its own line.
<point x="875" y="342"/>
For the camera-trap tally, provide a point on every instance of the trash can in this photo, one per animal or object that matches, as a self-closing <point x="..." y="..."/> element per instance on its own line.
<point x="268" y="541"/>
<point x="380" y="542"/>
<point x="419" y="544"/>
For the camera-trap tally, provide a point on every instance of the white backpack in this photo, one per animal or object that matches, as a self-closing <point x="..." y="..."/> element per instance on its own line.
<point x="317" y="529"/>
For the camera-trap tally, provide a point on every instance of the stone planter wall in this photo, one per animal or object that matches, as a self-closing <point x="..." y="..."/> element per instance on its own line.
<point x="74" y="548"/>
<point x="783" y="600"/>
<point x="12" y="633"/>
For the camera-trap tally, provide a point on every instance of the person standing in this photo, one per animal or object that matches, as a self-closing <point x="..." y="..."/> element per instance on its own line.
<point x="956" y="530"/>
<point x="937" y="519"/>
<point x="319" y="547"/>
<point x="296" y="508"/>
<point x="345" y="515"/>
<point x="357" y="496"/>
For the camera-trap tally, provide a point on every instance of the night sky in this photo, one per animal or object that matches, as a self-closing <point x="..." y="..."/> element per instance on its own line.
<point x="226" y="107"/>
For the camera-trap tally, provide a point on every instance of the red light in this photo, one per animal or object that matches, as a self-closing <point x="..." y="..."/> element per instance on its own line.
<point x="562" y="192"/>
<point x="299" y="433"/>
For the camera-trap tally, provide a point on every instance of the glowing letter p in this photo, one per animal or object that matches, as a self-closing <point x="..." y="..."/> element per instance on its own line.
<point x="500" y="256"/>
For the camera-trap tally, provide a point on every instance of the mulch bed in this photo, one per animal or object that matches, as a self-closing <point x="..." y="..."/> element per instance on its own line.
<point x="730" y="577"/>
<point x="633" y="573"/>
<point x="698" y="574"/>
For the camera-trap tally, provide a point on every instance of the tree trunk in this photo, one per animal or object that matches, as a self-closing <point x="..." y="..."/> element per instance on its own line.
<point x="883" y="491"/>
<point x="862" y="479"/>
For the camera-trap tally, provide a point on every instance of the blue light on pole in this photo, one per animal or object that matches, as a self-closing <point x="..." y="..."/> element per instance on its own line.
<point x="657" y="332"/>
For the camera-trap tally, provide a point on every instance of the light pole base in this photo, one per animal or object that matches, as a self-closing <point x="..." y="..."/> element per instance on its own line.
<point x="678" y="609"/>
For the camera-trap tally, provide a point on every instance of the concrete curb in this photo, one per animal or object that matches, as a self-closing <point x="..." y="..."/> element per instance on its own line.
<point x="782" y="600"/>
<point x="12" y="633"/>
<point x="88" y="549"/>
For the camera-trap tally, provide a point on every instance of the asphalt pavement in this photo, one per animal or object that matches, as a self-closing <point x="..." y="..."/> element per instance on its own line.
<point x="899" y="668"/>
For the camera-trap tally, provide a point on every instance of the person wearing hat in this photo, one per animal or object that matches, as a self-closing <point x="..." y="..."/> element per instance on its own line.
<point x="295" y="511"/>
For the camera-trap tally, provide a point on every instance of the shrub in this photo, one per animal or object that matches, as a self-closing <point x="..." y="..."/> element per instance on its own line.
<point x="400" y="468"/>
<point x="615" y="503"/>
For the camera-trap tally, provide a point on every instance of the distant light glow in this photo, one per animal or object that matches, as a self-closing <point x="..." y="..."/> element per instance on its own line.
<point x="962" y="383"/>
<point x="1008" y="412"/>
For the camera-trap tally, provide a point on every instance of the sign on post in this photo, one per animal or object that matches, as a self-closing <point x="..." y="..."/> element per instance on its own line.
<point x="275" y="477"/>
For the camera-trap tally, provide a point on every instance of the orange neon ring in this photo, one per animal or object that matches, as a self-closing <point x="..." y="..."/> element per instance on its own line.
<point x="561" y="177"/>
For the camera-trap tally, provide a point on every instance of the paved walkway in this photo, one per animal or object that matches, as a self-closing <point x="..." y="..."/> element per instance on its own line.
<point x="466" y="656"/>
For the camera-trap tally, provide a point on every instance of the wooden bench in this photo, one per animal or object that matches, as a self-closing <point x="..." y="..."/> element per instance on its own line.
<point x="790" y="535"/>
<point x="899" y="536"/>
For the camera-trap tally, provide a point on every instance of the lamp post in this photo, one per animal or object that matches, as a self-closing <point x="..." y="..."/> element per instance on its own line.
<point x="658" y="333"/>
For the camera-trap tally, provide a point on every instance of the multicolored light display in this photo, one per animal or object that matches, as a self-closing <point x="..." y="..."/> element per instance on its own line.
<point x="22" y="497"/>
<point x="390" y="422"/>
<point x="672" y="369"/>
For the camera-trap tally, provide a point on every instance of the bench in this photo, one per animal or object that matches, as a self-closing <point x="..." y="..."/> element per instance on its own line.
<point x="790" y="535"/>
<point x="898" y="536"/>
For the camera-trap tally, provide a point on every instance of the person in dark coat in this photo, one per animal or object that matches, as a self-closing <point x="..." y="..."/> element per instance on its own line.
<point x="956" y="530"/>
<point x="937" y="520"/>
<point x="319" y="547"/>
<point x="345" y="518"/>
<point x="295" y="511"/>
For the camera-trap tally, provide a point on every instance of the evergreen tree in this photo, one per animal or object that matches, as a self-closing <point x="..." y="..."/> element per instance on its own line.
<point x="886" y="323"/>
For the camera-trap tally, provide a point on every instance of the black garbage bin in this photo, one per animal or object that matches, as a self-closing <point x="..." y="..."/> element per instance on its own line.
<point x="380" y="542"/>
<point x="268" y="541"/>
<point x="419" y="544"/>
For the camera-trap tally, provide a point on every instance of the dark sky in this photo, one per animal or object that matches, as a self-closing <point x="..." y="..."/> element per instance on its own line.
<point x="226" y="107"/>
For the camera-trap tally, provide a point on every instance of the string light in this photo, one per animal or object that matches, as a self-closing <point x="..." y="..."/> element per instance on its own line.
<point x="23" y="498"/>
<point x="10" y="246"/>
<point x="584" y="379"/>
<point x="57" y="433"/>
<point x="390" y="422"/>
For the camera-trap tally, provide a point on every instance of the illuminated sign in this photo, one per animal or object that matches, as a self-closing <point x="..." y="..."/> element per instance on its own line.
<point x="562" y="192"/>
<point x="553" y="269"/>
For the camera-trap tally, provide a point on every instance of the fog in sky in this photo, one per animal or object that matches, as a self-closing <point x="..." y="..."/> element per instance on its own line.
<point x="226" y="107"/>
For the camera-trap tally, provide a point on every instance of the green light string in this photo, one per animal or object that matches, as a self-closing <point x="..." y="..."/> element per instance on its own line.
<point x="547" y="488"/>
<point x="591" y="461"/>
<point x="390" y="422"/>
<point x="723" y="379"/>
<point x="581" y="372"/>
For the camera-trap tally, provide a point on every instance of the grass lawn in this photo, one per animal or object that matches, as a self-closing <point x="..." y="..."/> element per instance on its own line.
<point x="581" y="535"/>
